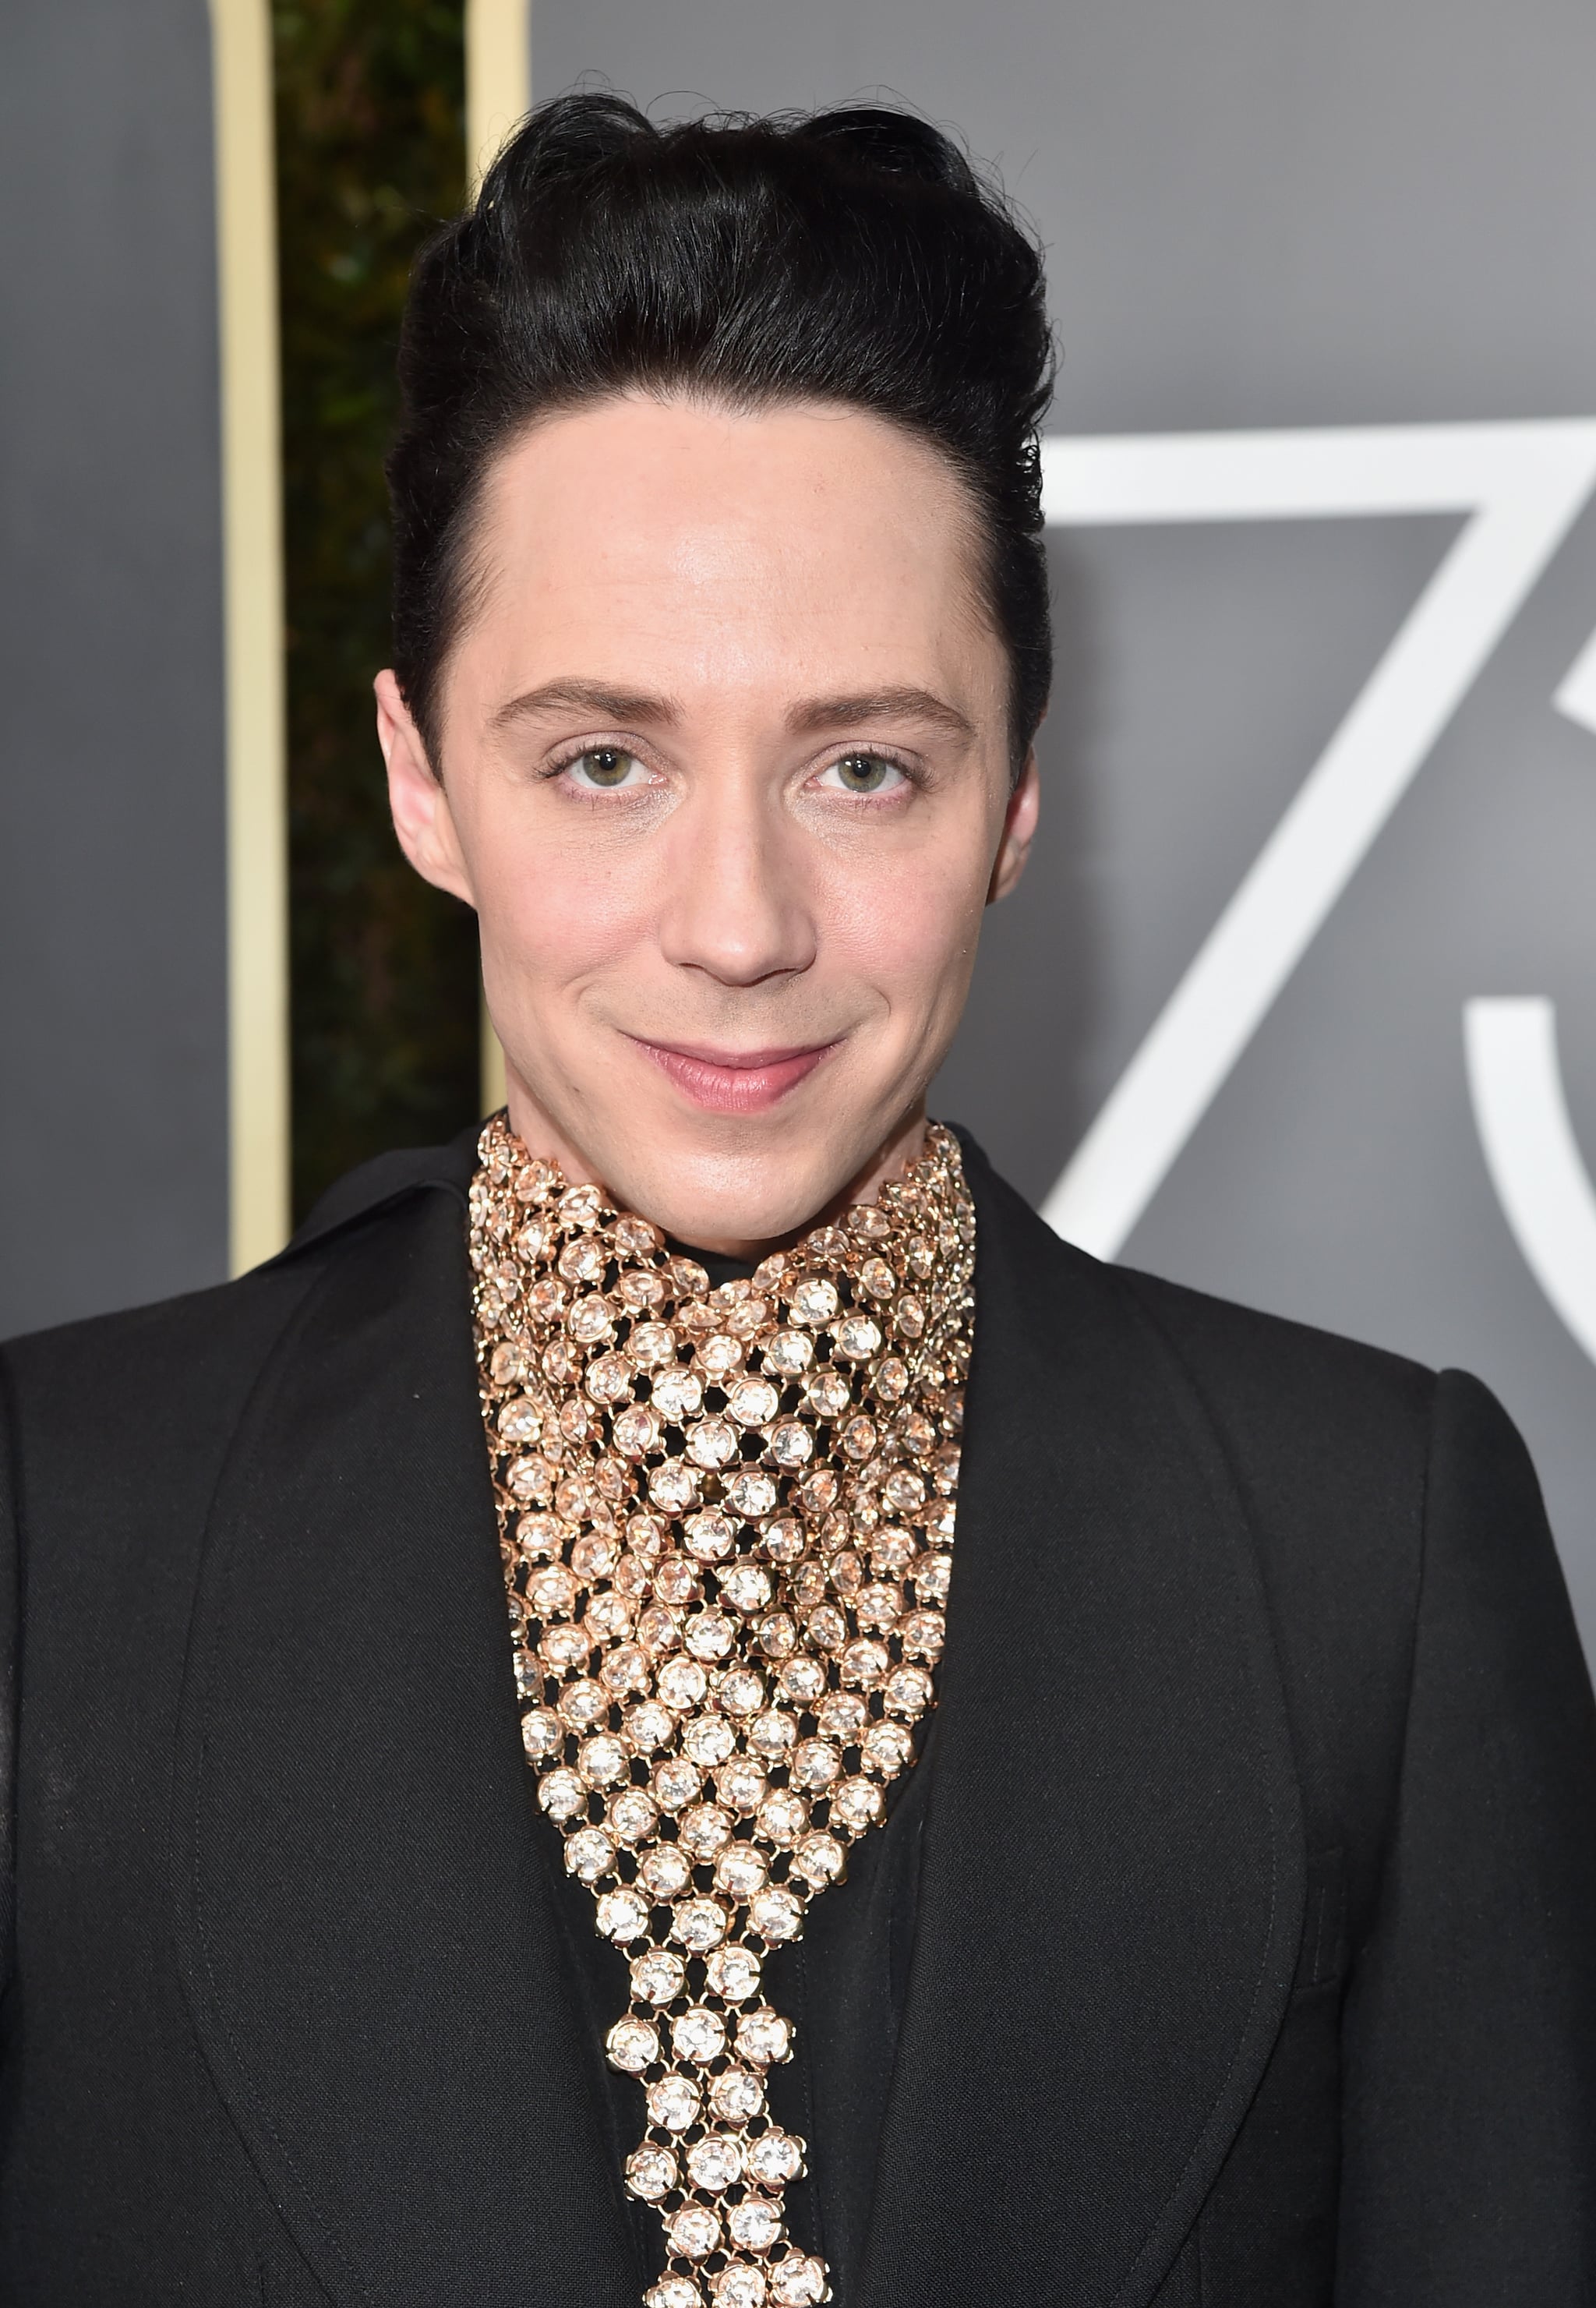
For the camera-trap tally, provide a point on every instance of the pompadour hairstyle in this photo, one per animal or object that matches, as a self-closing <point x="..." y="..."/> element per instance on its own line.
<point x="851" y="257"/>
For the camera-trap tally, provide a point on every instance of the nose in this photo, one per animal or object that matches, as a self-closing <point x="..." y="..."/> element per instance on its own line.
<point x="735" y="904"/>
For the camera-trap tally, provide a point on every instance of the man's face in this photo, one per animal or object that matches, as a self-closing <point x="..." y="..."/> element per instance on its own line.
<point x="725" y="775"/>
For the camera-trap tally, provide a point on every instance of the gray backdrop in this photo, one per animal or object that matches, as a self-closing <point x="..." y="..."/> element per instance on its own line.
<point x="112" y="1027"/>
<point x="1334" y="213"/>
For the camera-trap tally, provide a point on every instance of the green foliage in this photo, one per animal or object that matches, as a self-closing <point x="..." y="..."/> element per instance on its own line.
<point x="370" y="151"/>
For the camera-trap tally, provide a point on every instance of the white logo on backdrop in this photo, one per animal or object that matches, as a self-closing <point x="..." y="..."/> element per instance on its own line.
<point x="1522" y="485"/>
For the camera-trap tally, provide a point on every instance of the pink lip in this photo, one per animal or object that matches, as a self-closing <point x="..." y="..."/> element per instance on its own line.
<point x="743" y="1081"/>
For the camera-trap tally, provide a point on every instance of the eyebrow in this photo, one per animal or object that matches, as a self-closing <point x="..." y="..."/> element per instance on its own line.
<point x="816" y="715"/>
<point x="596" y="697"/>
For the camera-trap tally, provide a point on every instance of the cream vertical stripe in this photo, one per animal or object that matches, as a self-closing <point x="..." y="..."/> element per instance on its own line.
<point x="498" y="92"/>
<point x="253" y="578"/>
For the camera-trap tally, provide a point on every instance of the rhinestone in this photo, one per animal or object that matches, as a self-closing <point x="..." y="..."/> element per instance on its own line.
<point x="528" y="1679"/>
<point x="777" y="1914"/>
<point x="708" y="1739"/>
<point x="673" y="2103"/>
<point x="858" y="1337"/>
<point x="858" y="1804"/>
<point x="755" y="2224"/>
<point x="821" y="1491"/>
<point x="741" y="1784"/>
<point x="740" y="1871"/>
<point x="888" y="1747"/>
<point x="622" y="1916"/>
<point x="814" y="1302"/>
<point x="764" y="2038"/>
<point x="792" y="1445"/>
<point x="674" y="1486"/>
<point x="583" y="1704"/>
<point x="736" y="2094"/>
<point x="820" y="1858"/>
<point x="705" y="1828"/>
<point x="827" y="1394"/>
<point x="734" y="1974"/>
<point x="509" y="1363"/>
<point x="664" y="1871"/>
<point x="782" y="1818"/>
<point x="803" y="1679"/>
<point x="581" y="1206"/>
<point x="608" y="1617"/>
<point x="675" y="1581"/>
<point x="789" y="1353"/>
<point x="601" y="1761"/>
<point x="637" y="1430"/>
<point x="713" y="1443"/>
<point x="891" y="1551"/>
<point x="689" y="1277"/>
<point x="775" y="2157"/>
<point x="816" y="1763"/>
<point x="878" y="1606"/>
<point x="651" y="1345"/>
<point x="710" y="1634"/>
<point x="540" y="1534"/>
<point x="594" y="1556"/>
<point x="740" y="1691"/>
<point x="626" y="1668"/>
<point x="715" y="2163"/>
<point x="632" y="1815"/>
<point x="676" y="1782"/>
<point x="634" y="1237"/>
<point x="747" y="1586"/>
<point x="649" y="1727"/>
<point x="877" y="1277"/>
<point x="698" y="2034"/>
<point x="651" y="2173"/>
<point x="842" y="1716"/>
<point x="609" y="1378"/>
<point x="740" y="2284"/>
<point x="779" y="1633"/>
<point x="561" y="1795"/>
<point x="710" y="1535"/>
<point x="933" y="1576"/>
<point x="646" y="1534"/>
<point x="911" y="1316"/>
<point x="676" y="1394"/>
<point x="658" y="1629"/>
<point x="870" y="1222"/>
<point x="858" y="1438"/>
<point x="591" y="1319"/>
<point x="773" y="1732"/>
<point x="674" y="2292"/>
<point x="863" y="1663"/>
<point x="683" y="1684"/>
<point x="798" y="2282"/>
<point x="784" y="1540"/>
<point x="752" y="1493"/>
<point x="657" y="1976"/>
<point x="719" y="1355"/>
<point x="532" y="1478"/>
<point x="632" y="2045"/>
<point x="520" y="1420"/>
<point x="699" y="1924"/>
<point x="694" y="2231"/>
<point x="753" y="1402"/>
<point x="588" y="1854"/>
<point x="542" y="1733"/>
<point x="921" y="1633"/>
<point x="892" y="1379"/>
<point x="908" y="1690"/>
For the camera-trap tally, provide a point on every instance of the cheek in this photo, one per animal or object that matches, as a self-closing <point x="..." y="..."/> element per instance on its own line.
<point x="909" y="922"/>
<point x="561" y="910"/>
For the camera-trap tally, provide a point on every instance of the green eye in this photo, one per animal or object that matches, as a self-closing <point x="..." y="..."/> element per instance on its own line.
<point x="864" y="773"/>
<point x="604" y="766"/>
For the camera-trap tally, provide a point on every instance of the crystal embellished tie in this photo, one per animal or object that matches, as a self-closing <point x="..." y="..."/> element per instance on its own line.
<point x="726" y="1516"/>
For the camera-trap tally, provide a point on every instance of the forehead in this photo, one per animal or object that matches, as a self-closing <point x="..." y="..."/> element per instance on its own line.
<point x="737" y="547"/>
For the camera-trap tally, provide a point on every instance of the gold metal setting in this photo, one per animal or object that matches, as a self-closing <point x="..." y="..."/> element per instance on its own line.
<point x="726" y="1516"/>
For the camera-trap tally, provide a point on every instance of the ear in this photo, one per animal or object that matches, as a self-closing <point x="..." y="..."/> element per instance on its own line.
<point x="1019" y="829"/>
<point x="422" y="817"/>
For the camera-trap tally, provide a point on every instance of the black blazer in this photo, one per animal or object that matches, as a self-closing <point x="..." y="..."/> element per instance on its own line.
<point x="1254" y="1961"/>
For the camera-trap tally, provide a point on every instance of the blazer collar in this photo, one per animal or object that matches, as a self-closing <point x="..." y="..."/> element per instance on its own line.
<point x="371" y="1928"/>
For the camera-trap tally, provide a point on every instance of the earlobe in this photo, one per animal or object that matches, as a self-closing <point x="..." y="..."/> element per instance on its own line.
<point x="423" y="819"/>
<point x="1019" y="829"/>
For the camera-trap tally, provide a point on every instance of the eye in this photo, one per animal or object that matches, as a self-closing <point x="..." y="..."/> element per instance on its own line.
<point x="604" y="769"/>
<point x="863" y="773"/>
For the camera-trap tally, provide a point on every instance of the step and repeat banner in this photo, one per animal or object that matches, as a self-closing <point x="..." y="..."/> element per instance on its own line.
<point x="1298" y="1002"/>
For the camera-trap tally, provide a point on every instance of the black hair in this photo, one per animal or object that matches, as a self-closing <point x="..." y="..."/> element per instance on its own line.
<point x="851" y="257"/>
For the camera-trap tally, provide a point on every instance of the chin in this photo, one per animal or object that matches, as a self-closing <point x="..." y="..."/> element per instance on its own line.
<point x="714" y="1201"/>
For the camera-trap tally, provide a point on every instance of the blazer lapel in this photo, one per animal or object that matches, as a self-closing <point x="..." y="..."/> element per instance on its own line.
<point x="369" y="1925"/>
<point x="1112" y="1889"/>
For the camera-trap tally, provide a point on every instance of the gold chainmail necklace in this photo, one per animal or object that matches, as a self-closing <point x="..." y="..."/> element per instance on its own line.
<point x="726" y="1516"/>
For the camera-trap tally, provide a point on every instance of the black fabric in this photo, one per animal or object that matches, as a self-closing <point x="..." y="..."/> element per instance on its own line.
<point x="1232" y="1946"/>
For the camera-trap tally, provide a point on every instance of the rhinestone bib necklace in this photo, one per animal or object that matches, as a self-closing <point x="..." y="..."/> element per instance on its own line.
<point x="726" y="1516"/>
